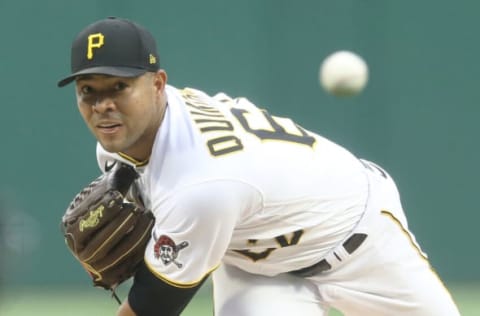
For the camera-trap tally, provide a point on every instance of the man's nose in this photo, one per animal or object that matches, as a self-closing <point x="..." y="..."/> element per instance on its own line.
<point x="104" y="104"/>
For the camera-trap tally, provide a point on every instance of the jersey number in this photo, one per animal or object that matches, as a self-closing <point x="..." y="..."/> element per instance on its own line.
<point x="275" y="131"/>
<point x="282" y="240"/>
<point x="222" y="136"/>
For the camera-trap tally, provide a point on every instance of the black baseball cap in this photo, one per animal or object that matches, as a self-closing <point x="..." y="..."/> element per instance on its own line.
<point x="115" y="47"/>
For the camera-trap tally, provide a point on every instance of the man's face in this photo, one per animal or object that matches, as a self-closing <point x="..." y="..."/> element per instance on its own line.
<point x="123" y="113"/>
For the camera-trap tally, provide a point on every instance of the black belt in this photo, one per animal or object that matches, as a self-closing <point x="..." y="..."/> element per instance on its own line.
<point x="350" y="245"/>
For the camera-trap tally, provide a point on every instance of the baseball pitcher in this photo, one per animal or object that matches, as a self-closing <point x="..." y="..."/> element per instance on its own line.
<point x="284" y="220"/>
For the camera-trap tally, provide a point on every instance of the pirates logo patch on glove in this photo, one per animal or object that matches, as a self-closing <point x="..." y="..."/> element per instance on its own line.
<point x="104" y="231"/>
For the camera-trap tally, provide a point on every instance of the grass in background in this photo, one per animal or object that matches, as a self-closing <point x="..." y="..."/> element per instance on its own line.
<point x="96" y="302"/>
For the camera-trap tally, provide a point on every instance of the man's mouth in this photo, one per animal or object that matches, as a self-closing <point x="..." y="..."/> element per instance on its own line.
<point x="109" y="128"/>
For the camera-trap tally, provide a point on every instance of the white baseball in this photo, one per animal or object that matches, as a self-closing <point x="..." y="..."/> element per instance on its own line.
<point x="343" y="74"/>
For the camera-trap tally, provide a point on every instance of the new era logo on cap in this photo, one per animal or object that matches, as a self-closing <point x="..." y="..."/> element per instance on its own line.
<point x="115" y="47"/>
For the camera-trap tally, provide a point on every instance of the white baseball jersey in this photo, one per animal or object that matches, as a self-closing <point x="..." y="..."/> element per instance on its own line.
<point x="227" y="181"/>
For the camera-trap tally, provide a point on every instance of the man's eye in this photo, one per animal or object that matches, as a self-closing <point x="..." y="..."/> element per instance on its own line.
<point x="86" y="90"/>
<point x="119" y="86"/>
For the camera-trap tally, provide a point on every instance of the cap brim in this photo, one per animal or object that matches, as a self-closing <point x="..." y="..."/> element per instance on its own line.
<point x="109" y="71"/>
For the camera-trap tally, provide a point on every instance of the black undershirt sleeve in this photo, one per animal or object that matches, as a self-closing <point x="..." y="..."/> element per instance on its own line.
<point x="150" y="296"/>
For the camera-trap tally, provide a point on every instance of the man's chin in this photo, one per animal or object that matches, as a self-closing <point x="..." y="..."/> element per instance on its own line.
<point x="111" y="147"/>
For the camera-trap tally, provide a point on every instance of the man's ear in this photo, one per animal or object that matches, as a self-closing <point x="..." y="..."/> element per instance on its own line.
<point x="160" y="80"/>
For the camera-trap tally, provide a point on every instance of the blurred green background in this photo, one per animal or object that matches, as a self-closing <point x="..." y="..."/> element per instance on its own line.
<point x="417" y="117"/>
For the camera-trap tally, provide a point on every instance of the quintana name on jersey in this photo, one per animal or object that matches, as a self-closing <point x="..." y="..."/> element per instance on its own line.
<point x="224" y="133"/>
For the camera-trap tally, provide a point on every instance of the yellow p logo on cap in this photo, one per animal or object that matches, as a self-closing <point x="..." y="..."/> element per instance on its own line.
<point x="94" y="41"/>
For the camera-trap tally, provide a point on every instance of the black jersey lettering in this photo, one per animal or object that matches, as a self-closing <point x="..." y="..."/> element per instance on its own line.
<point x="282" y="240"/>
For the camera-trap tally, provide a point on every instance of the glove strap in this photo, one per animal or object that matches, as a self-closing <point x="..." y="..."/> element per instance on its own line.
<point x="115" y="296"/>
